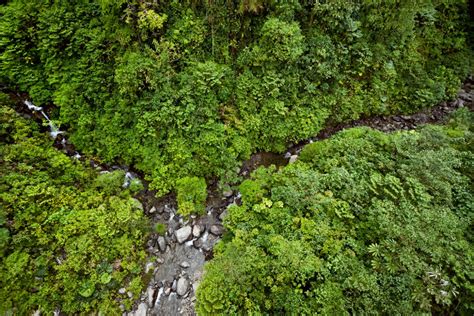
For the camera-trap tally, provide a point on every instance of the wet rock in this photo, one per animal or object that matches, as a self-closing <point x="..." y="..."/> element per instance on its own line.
<point x="167" y="291"/>
<point x="174" y="286"/>
<point x="207" y="248"/>
<point x="198" y="243"/>
<point x="149" y="266"/>
<point x="293" y="158"/>
<point x="150" y="292"/>
<point x="170" y="238"/>
<point x="228" y="193"/>
<point x="196" y="231"/>
<point x="137" y="204"/>
<point x="150" y="243"/>
<point x="465" y="96"/>
<point x="183" y="234"/>
<point x="287" y="155"/>
<point x="217" y="230"/>
<point x="162" y="243"/>
<point x="420" y="117"/>
<point x="222" y="215"/>
<point x="182" y="286"/>
<point x="152" y="210"/>
<point x="160" y="260"/>
<point x="141" y="310"/>
<point x="184" y="265"/>
<point x="130" y="294"/>
<point x="122" y="290"/>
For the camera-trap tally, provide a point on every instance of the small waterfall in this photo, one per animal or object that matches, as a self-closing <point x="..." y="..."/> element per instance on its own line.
<point x="54" y="131"/>
<point x="189" y="243"/>
<point x="33" y="107"/>
<point x="128" y="179"/>
<point x="204" y="237"/>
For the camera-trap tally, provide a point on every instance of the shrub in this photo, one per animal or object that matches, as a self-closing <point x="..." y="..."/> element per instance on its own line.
<point x="191" y="195"/>
<point x="110" y="182"/>
<point x="160" y="229"/>
<point x="136" y="185"/>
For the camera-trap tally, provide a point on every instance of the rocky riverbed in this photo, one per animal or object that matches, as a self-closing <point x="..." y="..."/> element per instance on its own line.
<point x="177" y="257"/>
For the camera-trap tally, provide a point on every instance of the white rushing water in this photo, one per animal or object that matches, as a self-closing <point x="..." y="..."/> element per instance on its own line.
<point x="204" y="237"/>
<point x="54" y="131"/>
<point x="33" y="107"/>
<point x="160" y="292"/>
<point x="128" y="179"/>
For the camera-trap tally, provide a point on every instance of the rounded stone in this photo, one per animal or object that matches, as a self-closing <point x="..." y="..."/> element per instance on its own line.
<point x="182" y="286"/>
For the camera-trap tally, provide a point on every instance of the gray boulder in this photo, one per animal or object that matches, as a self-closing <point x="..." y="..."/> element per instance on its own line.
<point x="141" y="310"/>
<point x="183" y="234"/>
<point x="196" y="231"/>
<point x="162" y="243"/>
<point x="293" y="159"/>
<point x="182" y="286"/>
<point x="217" y="230"/>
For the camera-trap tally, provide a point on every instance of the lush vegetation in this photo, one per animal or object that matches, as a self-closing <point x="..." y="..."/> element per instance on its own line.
<point x="184" y="91"/>
<point x="69" y="238"/>
<point x="191" y="88"/>
<point x="191" y="195"/>
<point x="363" y="223"/>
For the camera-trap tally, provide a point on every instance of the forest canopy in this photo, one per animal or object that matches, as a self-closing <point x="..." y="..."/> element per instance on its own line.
<point x="192" y="88"/>
<point x="184" y="92"/>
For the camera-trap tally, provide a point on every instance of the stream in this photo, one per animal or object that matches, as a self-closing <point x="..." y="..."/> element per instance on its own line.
<point x="176" y="260"/>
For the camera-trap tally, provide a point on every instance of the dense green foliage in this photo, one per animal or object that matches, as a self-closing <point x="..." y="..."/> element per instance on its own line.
<point x="363" y="223"/>
<point x="190" y="88"/>
<point x="69" y="238"/>
<point x="184" y="91"/>
<point x="191" y="195"/>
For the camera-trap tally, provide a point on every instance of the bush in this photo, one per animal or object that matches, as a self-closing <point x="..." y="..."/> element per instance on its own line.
<point x="191" y="195"/>
<point x="110" y="182"/>
<point x="160" y="229"/>
<point x="136" y="185"/>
